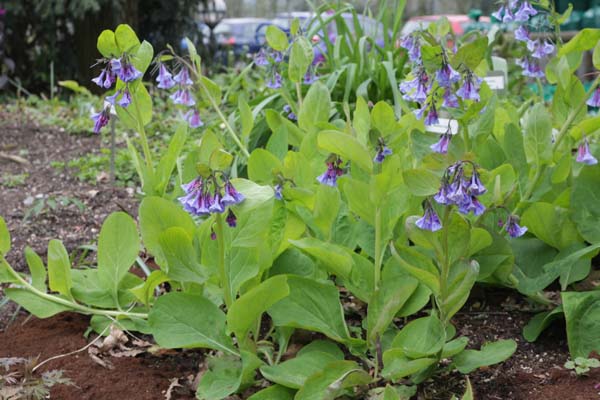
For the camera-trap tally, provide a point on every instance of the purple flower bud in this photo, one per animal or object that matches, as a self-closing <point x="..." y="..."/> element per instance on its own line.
<point x="447" y="76"/>
<point x="508" y="16"/>
<point x="419" y="112"/>
<point x="126" y="99"/>
<point x="310" y="77"/>
<point x="584" y="155"/>
<point x="164" y="78"/>
<point x="275" y="81"/>
<point x="183" y="77"/>
<point x="183" y="97"/>
<point x="277" y="56"/>
<point x="525" y="12"/>
<point x="432" y="116"/>
<point x="278" y="191"/>
<point x="450" y="99"/>
<point x="112" y="99"/>
<point x="513" y="228"/>
<point x="442" y="146"/>
<point x="213" y="234"/>
<point x="430" y="220"/>
<point x="594" y="101"/>
<point x="230" y="195"/>
<point x="470" y="88"/>
<point x="522" y="34"/>
<point x="499" y="13"/>
<point x="231" y="219"/>
<point x="99" y="80"/>
<point x="101" y="119"/>
<point x="330" y="176"/>
<point x="290" y="114"/>
<point x="382" y="152"/>
<point x="193" y="119"/>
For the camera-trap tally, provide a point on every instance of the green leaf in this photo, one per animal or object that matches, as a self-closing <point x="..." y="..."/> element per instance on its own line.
<point x="551" y="224"/>
<point x="142" y="100"/>
<point x="34" y="304"/>
<point x="107" y="44"/>
<point x="362" y="121"/>
<point x="145" y="291"/>
<point x="118" y="247"/>
<point x="168" y="161"/>
<point x="490" y="353"/>
<point x="383" y="118"/>
<point x="36" y="268"/>
<point x="245" y="311"/>
<point x="301" y="57"/>
<point x="397" y="365"/>
<point x="263" y="166"/>
<point x="582" y="313"/>
<point x="539" y="322"/>
<point x="211" y="89"/>
<point x="276" y="38"/>
<point x="332" y="381"/>
<point x="156" y="216"/>
<point x="311" y="359"/>
<point x="584" y="199"/>
<point x="335" y="258"/>
<point x="421" y="182"/>
<point x="90" y="290"/>
<point x="461" y="280"/>
<point x="182" y="320"/>
<point x="4" y="238"/>
<point x="220" y="160"/>
<point x="315" y="107"/>
<point x="454" y="347"/>
<point x="394" y="291"/>
<point x="596" y="56"/>
<point x="538" y="135"/>
<point x="585" y="40"/>
<point x="59" y="269"/>
<point x="347" y="147"/>
<point x="181" y="256"/>
<point x="421" y="337"/>
<point x="419" y="266"/>
<point x="273" y="392"/>
<point x="126" y="38"/>
<point x="471" y="54"/>
<point x="226" y="375"/>
<point x="313" y="306"/>
<point x="246" y="117"/>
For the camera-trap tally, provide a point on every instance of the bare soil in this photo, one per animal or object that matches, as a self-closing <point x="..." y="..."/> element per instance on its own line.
<point x="534" y="372"/>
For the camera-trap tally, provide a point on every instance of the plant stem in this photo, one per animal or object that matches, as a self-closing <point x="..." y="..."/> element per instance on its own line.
<point x="445" y="267"/>
<point x="299" y="95"/>
<point x="222" y="269"/>
<point x="143" y="137"/>
<point x="378" y="249"/>
<point x="67" y="303"/>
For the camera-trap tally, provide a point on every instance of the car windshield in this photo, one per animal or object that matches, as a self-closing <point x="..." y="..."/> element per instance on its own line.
<point x="241" y="31"/>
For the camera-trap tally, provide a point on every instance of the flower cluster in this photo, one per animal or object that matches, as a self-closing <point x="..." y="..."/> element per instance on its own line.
<point x="538" y="49"/>
<point x="334" y="170"/>
<point x="272" y="60"/>
<point x="123" y="69"/>
<point x="462" y="190"/>
<point x="205" y="196"/>
<point x="435" y="89"/>
<point x="183" y="95"/>
<point x="290" y="114"/>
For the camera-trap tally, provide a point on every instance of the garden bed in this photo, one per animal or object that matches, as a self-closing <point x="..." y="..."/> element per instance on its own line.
<point x="534" y="372"/>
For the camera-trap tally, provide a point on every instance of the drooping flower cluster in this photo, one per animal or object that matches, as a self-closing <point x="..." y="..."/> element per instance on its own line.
<point x="539" y="50"/>
<point x="462" y="190"/>
<point x="205" y="196"/>
<point x="334" y="170"/>
<point x="439" y="88"/>
<point x="271" y="60"/>
<point x="183" y="94"/>
<point x="120" y="68"/>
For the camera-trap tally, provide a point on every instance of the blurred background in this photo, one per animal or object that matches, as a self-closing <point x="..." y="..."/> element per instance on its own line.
<point x="43" y="41"/>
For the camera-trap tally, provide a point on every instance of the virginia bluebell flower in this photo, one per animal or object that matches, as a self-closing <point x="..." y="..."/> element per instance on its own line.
<point x="231" y="219"/>
<point x="278" y="189"/>
<point x="382" y="151"/>
<point x="413" y="46"/>
<point x="260" y="58"/>
<point x="475" y="187"/>
<point x="164" y="78"/>
<point x="531" y="67"/>
<point x="310" y="77"/>
<point x="416" y="89"/>
<point x="446" y="76"/>
<point x="193" y="196"/>
<point x="473" y="205"/>
<point x="112" y="99"/>
<point x="441" y="197"/>
<point x="441" y="146"/>
<point x="274" y="82"/>
<point x="290" y="114"/>
<point x="584" y="155"/>
<point x="125" y="70"/>
<point x="432" y="116"/>
<point x="183" y="77"/>
<point x="230" y="195"/>
<point x="470" y="88"/>
<point x="540" y="49"/>
<point x="101" y="119"/>
<point x="334" y="170"/>
<point x="126" y="99"/>
<point x="522" y="34"/>
<point x="450" y="99"/>
<point x="193" y="119"/>
<point x="525" y="12"/>
<point x="430" y="220"/>
<point x="513" y="228"/>
<point x="183" y="97"/>
<point x="594" y="100"/>
<point x="106" y="78"/>
<point x="205" y="196"/>
<point x="216" y="206"/>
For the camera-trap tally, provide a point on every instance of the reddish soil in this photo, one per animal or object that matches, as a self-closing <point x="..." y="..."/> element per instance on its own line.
<point x="534" y="372"/>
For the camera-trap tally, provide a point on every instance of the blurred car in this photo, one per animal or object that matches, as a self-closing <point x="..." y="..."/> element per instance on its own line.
<point x="200" y="36"/>
<point x="238" y="35"/>
<point x="458" y="23"/>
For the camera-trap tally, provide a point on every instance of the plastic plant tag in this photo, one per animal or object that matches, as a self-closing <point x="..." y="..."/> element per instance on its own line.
<point x="442" y="126"/>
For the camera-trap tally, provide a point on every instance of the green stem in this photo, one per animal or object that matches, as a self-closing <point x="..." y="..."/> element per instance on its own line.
<point x="299" y="95"/>
<point x="230" y="130"/>
<point x="143" y="137"/>
<point x="378" y="249"/>
<point x="222" y="269"/>
<point x="72" y="305"/>
<point x="466" y="137"/>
